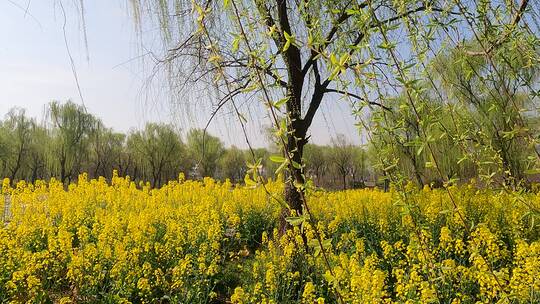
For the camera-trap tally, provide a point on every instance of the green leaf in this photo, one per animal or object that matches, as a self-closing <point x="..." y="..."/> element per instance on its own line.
<point x="389" y="167"/>
<point x="236" y="44"/>
<point x="420" y="149"/>
<point x="387" y="46"/>
<point x="333" y="59"/>
<point x="298" y="185"/>
<point x="295" y="220"/>
<point x="281" y="167"/>
<point x="289" y="39"/>
<point x="343" y="59"/>
<point x="296" y="165"/>
<point x="335" y="73"/>
<point x="313" y="243"/>
<point x="277" y="159"/>
<point x="286" y="46"/>
<point x="281" y="102"/>
<point x="327" y="243"/>
<point x="282" y="203"/>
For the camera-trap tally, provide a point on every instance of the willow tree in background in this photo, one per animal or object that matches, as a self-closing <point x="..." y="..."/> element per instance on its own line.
<point x="498" y="93"/>
<point x="17" y="133"/>
<point x="37" y="155"/>
<point x="467" y="88"/>
<point x="159" y="153"/>
<point x="232" y="164"/>
<point x="105" y="149"/>
<point x="70" y="127"/>
<point x="23" y="147"/>
<point x="342" y="156"/>
<point x="205" y="148"/>
<point x="316" y="162"/>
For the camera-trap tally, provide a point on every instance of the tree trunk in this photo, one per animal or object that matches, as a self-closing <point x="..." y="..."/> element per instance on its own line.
<point x="63" y="176"/>
<point x="96" y="169"/>
<point x="15" y="170"/>
<point x="418" y="177"/>
<point x="293" y="197"/>
<point x="14" y="174"/>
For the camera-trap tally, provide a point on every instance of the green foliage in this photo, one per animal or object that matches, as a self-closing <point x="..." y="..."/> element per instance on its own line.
<point x="70" y="136"/>
<point x="232" y="164"/>
<point x="72" y="141"/>
<point x="159" y="152"/>
<point x="206" y="150"/>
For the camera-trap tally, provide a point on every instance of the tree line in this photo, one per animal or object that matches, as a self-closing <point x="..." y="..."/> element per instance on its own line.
<point x="470" y="142"/>
<point x="70" y="141"/>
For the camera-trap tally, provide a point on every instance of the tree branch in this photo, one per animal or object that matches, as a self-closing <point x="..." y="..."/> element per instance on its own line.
<point x="498" y="42"/>
<point x="269" y="21"/>
<point x="267" y="71"/>
<point x="341" y="19"/>
<point x="373" y="103"/>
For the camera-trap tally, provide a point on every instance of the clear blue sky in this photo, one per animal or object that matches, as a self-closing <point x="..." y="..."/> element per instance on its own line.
<point x="35" y="69"/>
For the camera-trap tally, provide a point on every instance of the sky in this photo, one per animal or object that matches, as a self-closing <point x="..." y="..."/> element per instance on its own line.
<point x="35" y="68"/>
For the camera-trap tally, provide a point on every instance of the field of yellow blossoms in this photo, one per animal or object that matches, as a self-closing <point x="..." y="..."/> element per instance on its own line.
<point x="211" y="242"/>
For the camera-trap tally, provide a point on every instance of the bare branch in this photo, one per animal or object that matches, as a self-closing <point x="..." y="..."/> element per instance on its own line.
<point x="373" y="103"/>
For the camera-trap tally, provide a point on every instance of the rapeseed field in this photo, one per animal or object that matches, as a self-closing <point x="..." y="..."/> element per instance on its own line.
<point x="216" y="242"/>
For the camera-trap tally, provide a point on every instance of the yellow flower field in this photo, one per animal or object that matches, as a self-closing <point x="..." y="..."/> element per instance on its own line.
<point x="212" y="242"/>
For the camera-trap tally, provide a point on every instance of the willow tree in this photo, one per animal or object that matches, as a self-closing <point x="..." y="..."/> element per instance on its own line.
<point x="70" y="127"/>
<point x="105" y="149"/>
<point x="316" y="162"/>
<point x="159" y="151"/>
<point x="205" y="148"/>
<point x="291" y="56"/>
<point x="18" y="128"/>
<point x="232" y="164"/>
<point x="37" y="156"/>
<point x="498" y="94"/>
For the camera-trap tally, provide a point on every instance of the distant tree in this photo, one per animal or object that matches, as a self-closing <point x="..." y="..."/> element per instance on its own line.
<point x="232" y="164"/>
<point x="359" y="167"/>
<point x="159" y="152"/>
<point x="18" y="128"/>
<point x="342" y="156"/>
<point x="205" y="150"/>
<point x="105" y="149"/>
<point x="127" y="161"/>
<point x="70" y="130"/>
<point x="316" y="160"/>
<point x="37" y="155"/>
<point x="4" y="149"/>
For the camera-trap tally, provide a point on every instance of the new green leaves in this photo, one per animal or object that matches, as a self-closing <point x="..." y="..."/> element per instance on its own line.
<point x="289" y="39"/>
<point x="339" y="65"/>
